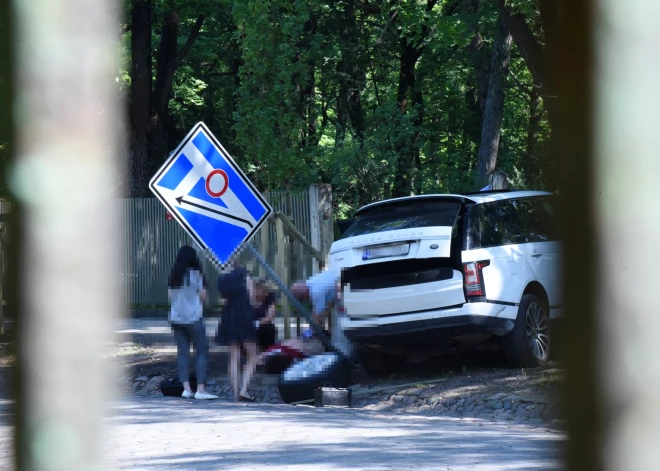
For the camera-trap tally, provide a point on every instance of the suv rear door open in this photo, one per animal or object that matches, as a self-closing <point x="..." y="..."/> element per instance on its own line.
<point x="402" y="256"/>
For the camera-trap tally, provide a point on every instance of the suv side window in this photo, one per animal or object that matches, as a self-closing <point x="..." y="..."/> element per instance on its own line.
<point x="501" y="224"/>
<point x="539" y="220"/>
<point x="511" y="221"/>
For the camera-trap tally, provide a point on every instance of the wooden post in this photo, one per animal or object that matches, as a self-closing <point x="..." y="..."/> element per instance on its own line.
<point x="300" y="275"/>
<point x="283" y="272"/>
<point x="326" y="220"/>
<point x="265" y="242"/>
<point x="64" y="178"/>
<point x="314" y="222"/>
<point x="264" y="234"/>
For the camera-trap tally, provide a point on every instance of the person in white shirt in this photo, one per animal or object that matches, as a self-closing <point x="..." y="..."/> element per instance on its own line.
<point x="321" y="290"/>
<point x="186" y="291"/>
<point x="324" y="292"/>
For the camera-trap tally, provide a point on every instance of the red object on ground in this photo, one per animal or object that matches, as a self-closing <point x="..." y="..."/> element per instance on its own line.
<point x="284" y="350"/>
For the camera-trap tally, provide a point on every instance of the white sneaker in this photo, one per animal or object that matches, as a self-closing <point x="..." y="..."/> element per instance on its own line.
<point x="205" y="396"/>
<point x="187" y="395"/>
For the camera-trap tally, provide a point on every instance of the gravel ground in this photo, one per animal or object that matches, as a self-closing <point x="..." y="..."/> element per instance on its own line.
<point x="479" y="387"/>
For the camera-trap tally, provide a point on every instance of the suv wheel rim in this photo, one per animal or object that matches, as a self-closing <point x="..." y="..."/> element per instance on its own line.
<point x="538" y="331"/>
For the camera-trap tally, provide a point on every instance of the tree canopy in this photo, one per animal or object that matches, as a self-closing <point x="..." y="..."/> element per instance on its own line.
<point x="378" y="98"/>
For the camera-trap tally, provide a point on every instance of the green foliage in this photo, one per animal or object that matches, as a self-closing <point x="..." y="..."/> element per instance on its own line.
<point x="279" y="51"/>
<point x="267" y="77"/>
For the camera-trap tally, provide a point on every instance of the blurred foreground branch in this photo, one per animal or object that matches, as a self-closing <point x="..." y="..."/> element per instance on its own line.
<point x="66" y="121"/>
<point x="610" y="107"/>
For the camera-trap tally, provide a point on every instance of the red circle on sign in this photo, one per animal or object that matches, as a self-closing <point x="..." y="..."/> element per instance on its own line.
<point x="217" y="194"/>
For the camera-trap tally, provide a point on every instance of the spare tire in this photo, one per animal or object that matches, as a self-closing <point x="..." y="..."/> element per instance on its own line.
<point x="299" y="382"/>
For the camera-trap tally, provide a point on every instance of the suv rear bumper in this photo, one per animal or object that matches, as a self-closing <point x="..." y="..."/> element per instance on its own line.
<point x="492" y="318"/>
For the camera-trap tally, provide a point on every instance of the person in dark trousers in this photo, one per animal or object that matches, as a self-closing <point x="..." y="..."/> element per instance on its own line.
<point x="187" y="291"/>
<point x="264" y="314"/>
<point x="237" y="328"/>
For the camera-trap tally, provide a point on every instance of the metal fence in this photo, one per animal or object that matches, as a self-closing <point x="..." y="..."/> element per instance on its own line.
<point x="295" y="205"/>
<point x="149" y="243"/>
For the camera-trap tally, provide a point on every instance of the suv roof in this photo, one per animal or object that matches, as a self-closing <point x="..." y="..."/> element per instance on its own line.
<point x="478" y="198"/>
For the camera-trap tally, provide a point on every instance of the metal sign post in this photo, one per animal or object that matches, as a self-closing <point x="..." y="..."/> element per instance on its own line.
<point x="208" y="194"/>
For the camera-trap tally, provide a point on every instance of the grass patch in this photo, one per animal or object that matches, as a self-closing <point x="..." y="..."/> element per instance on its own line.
<point x="130" y="349"/>
<point x="548" y="380"/>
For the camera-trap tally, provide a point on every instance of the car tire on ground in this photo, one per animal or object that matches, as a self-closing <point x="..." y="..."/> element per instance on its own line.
<point x="299" y="382"/>
<point x="528" y="345"/>
<point x="379" y="363"/>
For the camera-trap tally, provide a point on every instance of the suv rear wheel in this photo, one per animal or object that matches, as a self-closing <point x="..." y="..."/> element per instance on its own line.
<point x="528" y="344"/>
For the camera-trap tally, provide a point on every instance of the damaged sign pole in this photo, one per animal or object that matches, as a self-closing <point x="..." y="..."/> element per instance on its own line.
<point x="216" y="204"/>
<point x="316" y="328"/>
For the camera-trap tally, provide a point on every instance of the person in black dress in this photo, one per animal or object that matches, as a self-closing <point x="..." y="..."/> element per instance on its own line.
<point x="237" y="328"/>
<point x="264" y="314"/>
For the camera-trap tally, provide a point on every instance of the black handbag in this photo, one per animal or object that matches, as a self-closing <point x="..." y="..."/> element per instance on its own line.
<point x="174" y="388"/>
<point x="266" y="335"/>
<point x="328" y="396"/>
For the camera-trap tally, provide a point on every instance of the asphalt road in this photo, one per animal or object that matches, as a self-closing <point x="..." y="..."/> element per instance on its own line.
<point x="170" y="434"/>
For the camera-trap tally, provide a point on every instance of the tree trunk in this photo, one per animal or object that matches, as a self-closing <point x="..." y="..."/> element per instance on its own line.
<point x="533" y="53"/>
<point x="407" y="149"/>
<point x="138" y="168"/>
<point x="167" y="61"/>
<point x="533" y="128"/>
<point x="417" y="100"/>
<point x="352" y="79"/>
<point x="477" y="88"/>
<point x="306" y="88"/>
<point x="409" y="166"/>
<point x="351" y="73"/>
<point x="165" y="69"/>
<point x="492" y="123"/>
<point x="310" y="108"/>
<point x="479" y="56"/>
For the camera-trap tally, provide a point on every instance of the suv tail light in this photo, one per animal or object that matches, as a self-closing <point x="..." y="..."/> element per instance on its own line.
<point x="474" y="285"/>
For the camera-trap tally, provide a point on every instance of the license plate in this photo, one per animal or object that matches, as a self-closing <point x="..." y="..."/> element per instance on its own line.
<point x="386" y="251"/>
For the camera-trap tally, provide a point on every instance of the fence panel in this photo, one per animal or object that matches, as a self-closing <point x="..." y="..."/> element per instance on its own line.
<point x="151" y="242"/>
<point x="147" y="243"/>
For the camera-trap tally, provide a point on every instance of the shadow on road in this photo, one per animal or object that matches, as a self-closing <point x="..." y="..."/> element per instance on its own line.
<point x="165" y="434"/>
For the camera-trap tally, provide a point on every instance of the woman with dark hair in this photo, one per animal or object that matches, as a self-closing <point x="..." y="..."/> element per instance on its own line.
<point x="264" y="314"/>
<point x="237" y="327"/>
<point x="187" y="290"/>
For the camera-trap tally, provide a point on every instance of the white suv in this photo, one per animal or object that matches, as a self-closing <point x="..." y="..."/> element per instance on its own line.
<point x="427" y="273"/>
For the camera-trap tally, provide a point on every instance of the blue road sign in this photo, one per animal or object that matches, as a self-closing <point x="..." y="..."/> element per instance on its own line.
<point x="209" y="195"/>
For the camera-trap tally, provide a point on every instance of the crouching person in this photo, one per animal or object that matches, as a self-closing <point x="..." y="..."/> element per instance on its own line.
<point x="324" y="291"/>
<point x="264" y="314"/>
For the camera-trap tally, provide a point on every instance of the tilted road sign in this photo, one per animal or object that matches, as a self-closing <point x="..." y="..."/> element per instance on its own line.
<point x="209" y="195"/>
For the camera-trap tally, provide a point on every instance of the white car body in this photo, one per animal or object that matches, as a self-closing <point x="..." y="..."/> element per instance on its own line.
<point x="378" y="313"/>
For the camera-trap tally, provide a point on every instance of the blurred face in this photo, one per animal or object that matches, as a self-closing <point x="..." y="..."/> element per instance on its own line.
<point x="300" y="291"/>
<point x="262" y="291"/>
